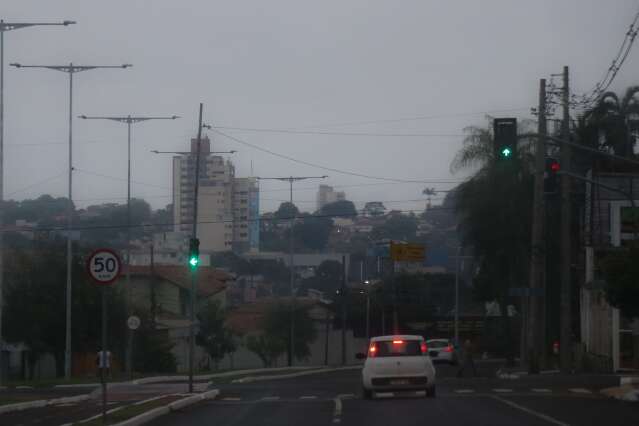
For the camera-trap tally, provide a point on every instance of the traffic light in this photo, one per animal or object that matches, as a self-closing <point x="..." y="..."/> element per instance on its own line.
<point x="194" y="252"/>
<point x="505" y="137"/>
<point x="551" y="179"/>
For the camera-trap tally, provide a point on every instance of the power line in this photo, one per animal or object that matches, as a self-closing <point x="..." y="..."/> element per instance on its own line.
<point x="307" y="163"/>
<point x="118" y="178"/>
<point x="38" y="183"/>
<point x="588" y="99"/>
<point x="415" y="118"/>
<point x="327" y="133"/>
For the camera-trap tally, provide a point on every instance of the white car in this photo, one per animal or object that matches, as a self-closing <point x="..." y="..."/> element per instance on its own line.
<point x="442" y="350"/>
<point x="397" y="363"/>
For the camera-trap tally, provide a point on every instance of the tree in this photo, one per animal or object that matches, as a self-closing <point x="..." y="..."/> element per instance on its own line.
<point x="374" y="208"/>
<point x="272" y="340"/>
<point x="152" y="352"/>
<point x="286" y="211"/>
<point x="267" y="348"/>
<point x="313" y="232"/>
<point x="400" y="227"/>
<point x="616" y="120"/>
<point x="339" y="208"/>
<point x="213" y="335"/>
<point x="328" y="277"/>
<point x="35" y="305"/>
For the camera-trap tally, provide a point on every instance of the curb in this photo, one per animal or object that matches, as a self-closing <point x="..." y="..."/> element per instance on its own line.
<point x="161" y="379"/>
<point x="251" y="379"/>
<point x="9" y="408"/>
<point x="79" y="385"/>
<point x="174" y="406"/>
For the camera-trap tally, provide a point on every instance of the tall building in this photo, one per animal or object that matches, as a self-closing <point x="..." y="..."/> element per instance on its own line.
<point x="246" y="213"/>
<point x="326" y="195"/>
<point x="226" y="205"/>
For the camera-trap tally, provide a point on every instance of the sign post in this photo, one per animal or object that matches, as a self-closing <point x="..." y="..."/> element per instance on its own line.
<point x="103" y="266"/>
<point x="402" y="252"/>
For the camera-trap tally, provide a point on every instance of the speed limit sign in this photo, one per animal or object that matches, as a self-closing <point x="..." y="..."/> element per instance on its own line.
<point x="104" y="266"/>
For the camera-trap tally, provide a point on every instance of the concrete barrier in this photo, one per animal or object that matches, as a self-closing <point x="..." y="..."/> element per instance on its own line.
<point x="9" y="408"/>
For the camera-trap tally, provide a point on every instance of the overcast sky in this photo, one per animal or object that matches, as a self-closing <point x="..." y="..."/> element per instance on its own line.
<point x="294" y="64"/>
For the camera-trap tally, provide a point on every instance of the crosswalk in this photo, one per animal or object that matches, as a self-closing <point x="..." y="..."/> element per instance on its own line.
<point x="463" y="391"/>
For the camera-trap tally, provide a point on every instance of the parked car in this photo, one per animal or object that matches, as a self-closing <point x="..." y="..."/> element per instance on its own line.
<point x="397" y="363"/>
<point x="442" y="350"/>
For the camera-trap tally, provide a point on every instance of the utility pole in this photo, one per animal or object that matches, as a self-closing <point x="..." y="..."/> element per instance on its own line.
<point x="4" y="27"/>
<point x="291" y="260"/>
<point x="565" y="339"/>
<point x="194" y="270"/>
<point x="343" y="310"/>
<point x="128" y="120"/>
<point x="536" y="321"/>
<point x="69" y="69"/>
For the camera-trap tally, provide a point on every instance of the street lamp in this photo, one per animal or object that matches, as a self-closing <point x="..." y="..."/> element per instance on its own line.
<point x="69" y="69"/>
<point x="291" y="180"/>
<point x="128" y="120"/>
<point x="4" y="27"/>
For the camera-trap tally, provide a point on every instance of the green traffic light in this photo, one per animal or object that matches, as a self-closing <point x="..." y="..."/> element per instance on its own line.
<point x="506" y="152"/>
<point x="193" y="261"/>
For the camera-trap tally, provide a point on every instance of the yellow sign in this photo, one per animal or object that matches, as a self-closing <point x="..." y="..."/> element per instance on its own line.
<point x="407" y="252"/>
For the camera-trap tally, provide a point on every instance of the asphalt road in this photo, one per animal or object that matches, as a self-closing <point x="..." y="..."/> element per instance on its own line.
<point x="334" y="398"/>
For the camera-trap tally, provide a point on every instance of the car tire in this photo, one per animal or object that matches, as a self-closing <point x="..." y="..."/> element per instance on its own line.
<point x="431" y="392"/>
<point x="367" y="393"/>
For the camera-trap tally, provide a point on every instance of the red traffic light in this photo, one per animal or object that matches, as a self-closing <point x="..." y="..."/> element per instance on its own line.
<point x="555" y="166"/>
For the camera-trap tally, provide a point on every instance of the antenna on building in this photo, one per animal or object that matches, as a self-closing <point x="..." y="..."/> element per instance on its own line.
<point x="252" y="168"/>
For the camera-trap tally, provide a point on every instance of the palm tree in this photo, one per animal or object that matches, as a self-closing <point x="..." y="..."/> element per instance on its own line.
<point x="429" y="192"/>
<point x="613" y="123"/>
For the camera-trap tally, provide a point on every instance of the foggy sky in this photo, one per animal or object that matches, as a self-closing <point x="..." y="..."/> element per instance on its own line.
<point x="291" y="64"/>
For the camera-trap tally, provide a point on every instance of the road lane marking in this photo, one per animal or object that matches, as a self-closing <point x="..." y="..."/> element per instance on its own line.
<point x="346" y="395"/>
<point x="529" y="411"/>
<point x="270" y="398"/>
<point x="502" y="390"/>
<point x="541" y="390"/>
<point x="228" y="398"/>
<point x="579" y="390"/>
<point x="308" y="397"/>
<point x="465" y="391"/>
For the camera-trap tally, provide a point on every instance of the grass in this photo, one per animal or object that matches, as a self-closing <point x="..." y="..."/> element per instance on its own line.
<point x="128" y="412"/>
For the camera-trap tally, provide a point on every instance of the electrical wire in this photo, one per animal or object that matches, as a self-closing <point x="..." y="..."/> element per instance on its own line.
<point x="38" y="183"/>
<point x="328" y="133"/>
<point x="318" y="166"/>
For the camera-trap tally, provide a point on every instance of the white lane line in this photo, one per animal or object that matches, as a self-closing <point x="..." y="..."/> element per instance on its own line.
<point x="308" y="397"/>
<point x="385" y="394"/>
<point x="228" y="398"/>
<point x="502" y="390"/>
<point x="465" y="391"/>
<point x="529" y="411"/>
<point x="579" y="390"/>
<point x="346" y="395"/>
<point x="541" y="390"/>
<point x="270" y="398"/>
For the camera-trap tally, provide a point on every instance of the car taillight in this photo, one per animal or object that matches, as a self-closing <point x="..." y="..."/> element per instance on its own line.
<point x="372" y="351"/>
<point x="449" y="348"/>
<point x="397" y="342"/>
<point x="424" y="348"/>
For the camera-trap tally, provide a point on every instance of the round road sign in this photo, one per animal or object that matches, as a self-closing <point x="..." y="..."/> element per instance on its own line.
<point x="133" y="322"/>
<point x="104" y="266"/>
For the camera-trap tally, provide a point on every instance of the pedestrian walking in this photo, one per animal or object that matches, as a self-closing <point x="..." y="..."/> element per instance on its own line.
<point x="468" y="360"/>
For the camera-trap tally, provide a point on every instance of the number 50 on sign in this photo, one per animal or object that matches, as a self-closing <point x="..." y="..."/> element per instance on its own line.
<point x="104" y="266"/>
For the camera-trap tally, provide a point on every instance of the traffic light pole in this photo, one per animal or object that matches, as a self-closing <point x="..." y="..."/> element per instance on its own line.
<point x="194" y="269"/>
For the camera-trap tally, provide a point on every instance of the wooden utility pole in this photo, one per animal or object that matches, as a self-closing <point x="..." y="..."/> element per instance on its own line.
<point x="565" y="258"/>
<point x="535" y="345"/>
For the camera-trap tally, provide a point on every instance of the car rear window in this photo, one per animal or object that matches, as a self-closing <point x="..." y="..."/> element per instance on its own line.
<point x="395" y="348"/>
<point x="437" y="344"/>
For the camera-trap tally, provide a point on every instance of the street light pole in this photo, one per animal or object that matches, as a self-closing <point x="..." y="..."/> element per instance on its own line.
<point x="291" y="180"/>
<point x="69" y="69"/>
<point x="128" y="120"/>
<point x="4" y="27"/>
